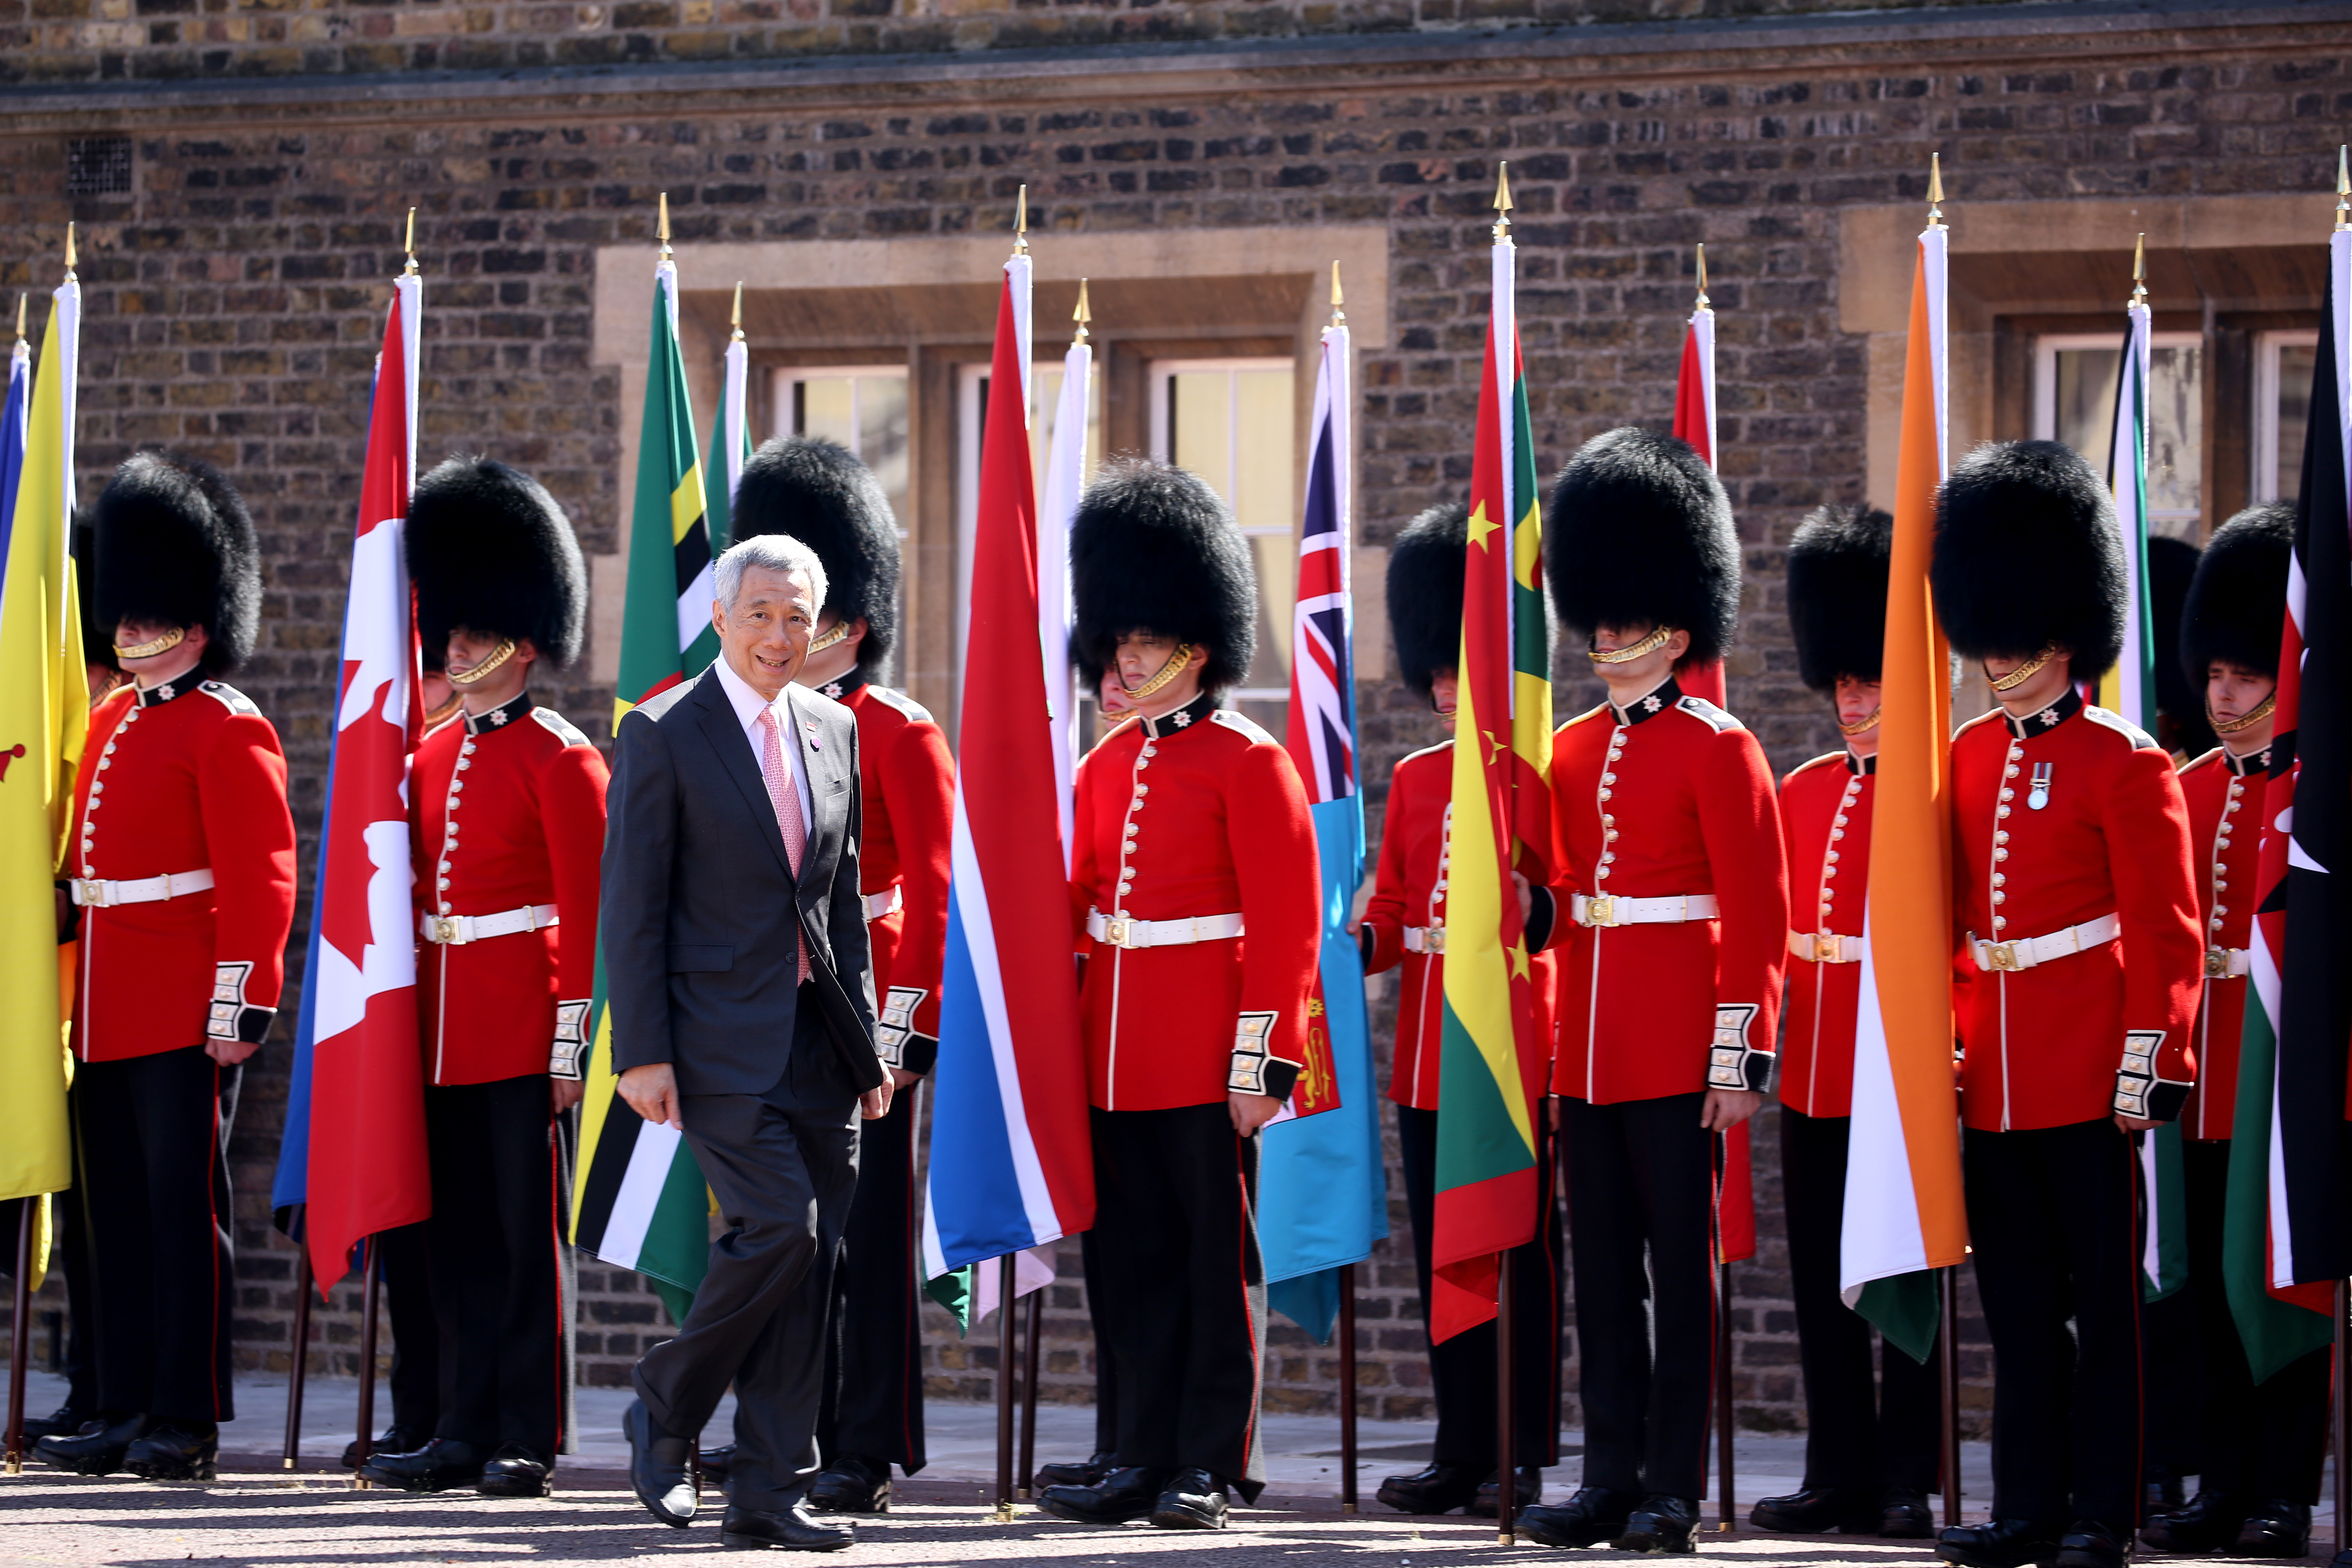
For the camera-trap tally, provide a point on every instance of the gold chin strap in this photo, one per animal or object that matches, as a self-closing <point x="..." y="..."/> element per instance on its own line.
<point x="1651" y="644"/>
<point x="1177" y="663"/>
<point x="826" y="639"/>
<point x="504" y="651"/>
<point x="2262" y="711"/>
<point x="163" y="644"/>
<point x="1861" y="726"/>
<point x="2026" y="671"/>
<point x="436" y="717"/>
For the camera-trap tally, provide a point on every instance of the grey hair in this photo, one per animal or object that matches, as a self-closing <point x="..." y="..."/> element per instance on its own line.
<point x="777" y="552"/>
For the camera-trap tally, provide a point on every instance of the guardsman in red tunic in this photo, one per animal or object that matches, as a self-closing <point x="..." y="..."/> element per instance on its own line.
<point x="507" y="808"/>
<point x="2076" y="909"/>
<point x="1194" y="888"/>
<point x="2262" y="1444"/>
<point x="1672" y="926"/>
<point x="1870" y="1440"/>
<point x="1404" y="926"/>
<point x="183" y="870"/>
<point x="872" y="1413"/>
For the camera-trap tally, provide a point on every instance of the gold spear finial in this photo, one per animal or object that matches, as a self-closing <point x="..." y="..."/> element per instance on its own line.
<point x="1702" y="274"/>
<point x="1082" y="315"/>
<point x="1339" y="317"/>
<point x="20" y="318"/>
<point x="2139" y="271"/>
<point x="1935" y="190"/>
<point x="661" y="226"/>
<point x="2343" y="191"/>
<point x="735" y="320"/>
<point x="1503" y="200"/>
<point x="1021" y="223"/>
<point x="73" y="255"/>
<point x="408" y="244"/>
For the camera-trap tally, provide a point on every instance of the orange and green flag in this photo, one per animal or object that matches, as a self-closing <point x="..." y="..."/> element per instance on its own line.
<point x="1487" y="1170"/>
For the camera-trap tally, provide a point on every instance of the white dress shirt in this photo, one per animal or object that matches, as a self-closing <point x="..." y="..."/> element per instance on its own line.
<point x="749" y="706"/>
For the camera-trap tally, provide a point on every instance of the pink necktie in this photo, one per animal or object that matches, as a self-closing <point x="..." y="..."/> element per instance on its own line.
<point x="786" y="800"/>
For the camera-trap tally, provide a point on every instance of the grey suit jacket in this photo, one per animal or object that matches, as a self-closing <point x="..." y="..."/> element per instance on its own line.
<point x="701" y="910"/>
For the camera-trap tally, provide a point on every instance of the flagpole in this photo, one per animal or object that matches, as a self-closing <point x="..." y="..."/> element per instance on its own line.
<point x="1947" y="1357"/>
<point x="1030" y="1332"/>
<point x="1004" y="1284"/>
<point x="20" y="1336"/>
<point x="1346" y="1388"/>
<point x="367" y="1360"/>
<point x="295" y="1373"/>
<point x="2342" y="1421"/>
<point x="1726" y="1507"/>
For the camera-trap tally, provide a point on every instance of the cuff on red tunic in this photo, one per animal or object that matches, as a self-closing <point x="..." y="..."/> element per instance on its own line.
<point x="1254" y="1067"/>
<point x="1731" y="1061"/>
<point x="568" y="1056"/>
<point x="1543" y="915"/>
<point x="2142" y="1088"/>
<point x="232" y="1017"/>
<point x="895" y="1040"/>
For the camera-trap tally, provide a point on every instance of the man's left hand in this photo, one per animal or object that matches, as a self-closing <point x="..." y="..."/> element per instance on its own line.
<point x="2136" y="1123"/>
<point x="228" y="1053"/>
<point x="1251" y="1111"/>
<point x="901" y="1078"/>
<point x="874" y="1103"/>
<point x="1728" y="1108"/>
<point x="567" y="1092"/>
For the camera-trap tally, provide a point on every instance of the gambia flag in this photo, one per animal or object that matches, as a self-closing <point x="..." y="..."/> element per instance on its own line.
<point x="640" y="1201"/>
<point x="1487" y="1174"/>
<point x="1904" y="1214"/>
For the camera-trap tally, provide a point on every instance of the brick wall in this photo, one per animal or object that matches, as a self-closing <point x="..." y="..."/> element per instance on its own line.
<point x="233" y="297"/>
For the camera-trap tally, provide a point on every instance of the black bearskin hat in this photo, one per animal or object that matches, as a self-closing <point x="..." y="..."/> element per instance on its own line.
<point x="490" y="552"/>
<point x="1640" y="533"/>
<point x="1154" y="549"/>
<point x="96" y="641"/>
<point x="1425" y="567"/>
<point x="2237" y="606"/>
<point x="2172" y="566"/>
<point x="2027" y="554"/>
<point x="174" y="544"/>
<point x="1837" y="594"/>
<point x="815" y="492"/>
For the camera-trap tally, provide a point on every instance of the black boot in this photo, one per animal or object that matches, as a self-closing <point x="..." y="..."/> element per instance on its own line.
<point x="1527" y="1488"/>
<point x="1903" y="1515"/>
<point x="443" y="1463"/>
<point x="515" y="1471"/>
<point x="1816" y="1511"/>
<point x="853" y="1484"/>
<point x="658" y="1467"/>
<point x="2092" y="1543"/>
<point x="1438" y="1488"/>
<point x="2002" y="1544"/>
<point x="175" y="1451"/>
<point x="1594" y="1514"/>
<point x="396" y="1439"/>
<point x="1088" y="1473"/>
<point x="785" y="1529"/>
<point x="1194" y="1500"/>
<point x="716" y="1463"/>
<point x="1661" y="1523"/>
<point x="2276" y="1529"/>
<point x="1129" y="1492"/>
<point x="64" y="1422"/>
<point x="2208" y="1524"/>
<point x="98" y="1449"/>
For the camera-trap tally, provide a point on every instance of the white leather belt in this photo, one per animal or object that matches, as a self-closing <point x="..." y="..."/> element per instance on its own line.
<point x="1826" y="947"/>
<point x="1424" y="939"/>
<point x="455" y="930"/>
<point x="2006" y="957"/>
<point x="1114" y="932"/>
<point x="2225" y="963"/>
<point x="1607" y="910"/>
<point x="97" y="892"/>
<point x="888" y="901"/>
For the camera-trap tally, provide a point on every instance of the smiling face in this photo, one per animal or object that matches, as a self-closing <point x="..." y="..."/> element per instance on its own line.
<point x="764" y="636"/>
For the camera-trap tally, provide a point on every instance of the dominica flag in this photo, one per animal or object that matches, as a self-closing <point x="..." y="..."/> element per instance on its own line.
<point x="730" y="435"/>
<point x="2284" y="1240"/>
<point x="1486" y="1176"/>
<point x="1904" y="1215"/>
<point x="639" y="1199"/>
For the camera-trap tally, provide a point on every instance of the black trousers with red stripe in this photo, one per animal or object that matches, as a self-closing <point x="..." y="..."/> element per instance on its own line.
<point x="152" y="1134"/>
<point x="873" y="1404"/>
<point x="2052" y="1222"/>
<point x="495" y="1246"/>
<point x="1183" y="1288"/>
<point x="1461" y="1370"/>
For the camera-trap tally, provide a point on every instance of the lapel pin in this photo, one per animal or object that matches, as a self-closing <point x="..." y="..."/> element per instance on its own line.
<point x="808" y="728"/>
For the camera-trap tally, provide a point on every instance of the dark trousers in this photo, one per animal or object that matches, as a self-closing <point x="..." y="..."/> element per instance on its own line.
<point x="415" y="1332"/>
<point x="2260" y="1441"/>
<point x="1640" y="1204"/>
<point x="873" y="1366"/>
<point x="1462" y="1374"/>
<point x="783" y="1167"/>
<point x="1861" y="1435"/>
<point x="152" y="1137"/>
<point x="1183" y="1288"/>
<point x="1106" y="1363"/>
<point x="496" y="1257"/>
<point x="2051" y="1216"/>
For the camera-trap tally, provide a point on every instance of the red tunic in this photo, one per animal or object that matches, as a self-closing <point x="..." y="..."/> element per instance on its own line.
<point x="2224" y="795"/>
<point x="1196" y="813"/>
<point x="908" y="782"/>
<point x="1669" y="797"/>
<point x="184" y="777"/>
<point x="1825" y="828"/>
<point x="506" y="810"/>
<point x="2101" y="1029"/>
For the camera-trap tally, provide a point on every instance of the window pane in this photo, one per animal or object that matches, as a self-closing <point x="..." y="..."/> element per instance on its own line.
<point x="2296" y="365"/>
<point x="1261" y="495"/>
<point x="1199" y="410"/>
<point x="824" y="409"/>
<point x="881" y="442"/>
<point x="1276" y="556"/>
<point x="2176" y="437"/>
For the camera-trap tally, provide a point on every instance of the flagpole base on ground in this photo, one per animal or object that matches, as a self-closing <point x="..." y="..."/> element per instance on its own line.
<point x="296" y="1370"/>
<point x="1032" y="1331"/>
<point x="1346" y="1388"/>
<point x="1947" y="1357"/>
<point x="1004" y="1286"/>
<point x="367" y="1362"/>
<point x="20" y="1335"/>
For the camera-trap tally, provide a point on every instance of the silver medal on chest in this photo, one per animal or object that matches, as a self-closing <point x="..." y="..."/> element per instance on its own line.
<point x="2038" y="795"/>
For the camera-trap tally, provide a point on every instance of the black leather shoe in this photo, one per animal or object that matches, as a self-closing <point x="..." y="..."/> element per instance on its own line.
<point x="1661" y="1523"/>
<point x="853" y="1484"/>
<point x="175" y="1451"/>
<point x="658" y="1468"/>
<point x="1903" y="1516"/>
<point x="1194" y="1500"/>
<point x="2208" y="1523"/>
<point x="2159" y="1493"/>
<point x="1088" y="1473"/>
<point x="2088" y="1543"/>
<point x="716" y="1463"/>
<point x="64" y="1422"/>
<point x="1527" y="1490"/>
<point x="440" y="1464"/>
<point x="789" y="1530"/>
<point x="97" y="1449"/>
<point x="1816" y="1511"/>
<point x="1590" y="1516"/>
<point x="1434" y="1488"/>
<point x="396" y="1439"/>
<point x="2276" y="1529"/>
<point x="2002" y="1544"/>
<point x="1129" y="1492"/>
<point x="515" y="1471"/>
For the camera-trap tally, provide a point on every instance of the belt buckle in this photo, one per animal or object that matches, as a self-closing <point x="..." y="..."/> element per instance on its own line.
<point x="2001" y="956"/>
<point x="445" y="929"/>
<point x="2217" y="964"/>
<point x="1433" y="940"/>
<point x="93" y="892"/>
<point x="1825" y="948"/>
<point x="1118" y="930"/>
<point x="1600" y="910"/>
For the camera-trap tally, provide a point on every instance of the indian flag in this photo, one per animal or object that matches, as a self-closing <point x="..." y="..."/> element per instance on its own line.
<point x="1904" y="1214"/>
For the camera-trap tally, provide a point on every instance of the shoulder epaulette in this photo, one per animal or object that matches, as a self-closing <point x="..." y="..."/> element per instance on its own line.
<point x="230" y="698"/>
<point x="2207" y="760"/>
<point x="1707" y="713"/>
<point x="1425" y="751"/>
<point x="1822" y="760"/>
<point x="2139" y="738"/>
<point x="557" y="725"/>
<point x="913" y="710"/>
<point x="1241" y="726"/>
<point x="1988" y="714"/>
<point x="1585" y="717"/>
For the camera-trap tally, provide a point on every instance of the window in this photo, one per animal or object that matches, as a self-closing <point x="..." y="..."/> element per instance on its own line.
<point x="98" y="166"/>
<point x="2075" y="384"/>
<point x="2284" y="362"/>
<point x="864" y="407"/>
<point x="1233" y="422"/>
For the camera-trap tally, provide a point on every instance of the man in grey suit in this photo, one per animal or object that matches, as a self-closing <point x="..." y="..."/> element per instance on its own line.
<point x="742" y="1009"/>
